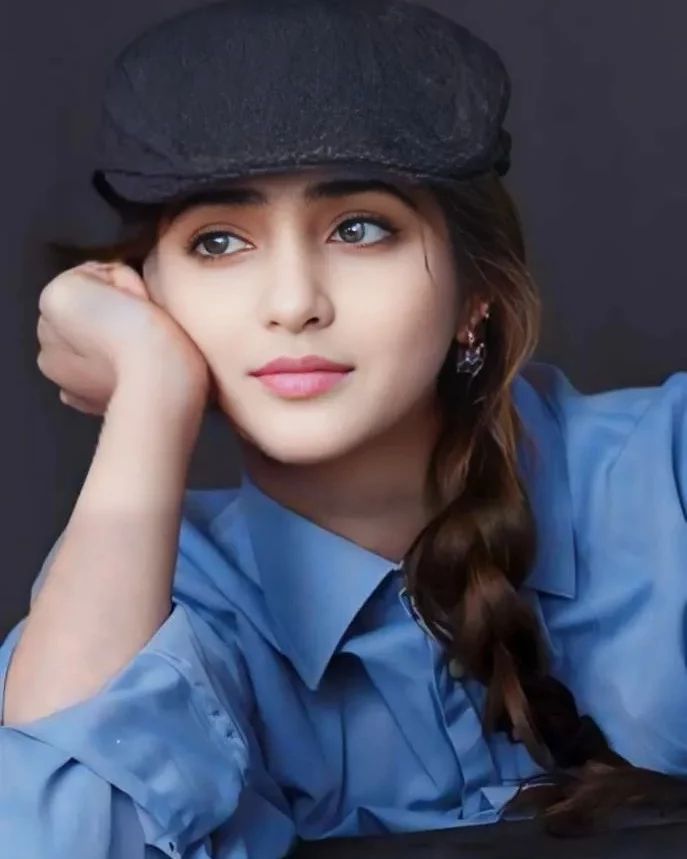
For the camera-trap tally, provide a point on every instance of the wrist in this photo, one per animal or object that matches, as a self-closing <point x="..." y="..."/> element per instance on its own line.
<point x="153" y="395"/>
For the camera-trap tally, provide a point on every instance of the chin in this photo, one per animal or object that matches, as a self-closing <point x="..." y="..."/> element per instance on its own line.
<point x="305" y="451"/>
<point x="303" y="433"/>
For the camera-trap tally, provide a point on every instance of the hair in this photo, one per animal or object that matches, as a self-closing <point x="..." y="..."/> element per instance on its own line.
<point x="465" y="568"/>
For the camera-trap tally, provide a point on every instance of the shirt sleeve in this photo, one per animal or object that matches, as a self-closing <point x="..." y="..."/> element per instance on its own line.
<point x="630" y="471"/>
<point x="148" y="767"/>
<point x="626" y="634"/>
<point x="656" y="453"/>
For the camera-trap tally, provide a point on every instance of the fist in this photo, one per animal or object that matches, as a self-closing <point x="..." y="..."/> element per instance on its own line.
<point x="97" y="325"/>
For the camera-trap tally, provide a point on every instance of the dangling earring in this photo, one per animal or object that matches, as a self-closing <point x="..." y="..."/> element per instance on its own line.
<point x="471" y="359"/>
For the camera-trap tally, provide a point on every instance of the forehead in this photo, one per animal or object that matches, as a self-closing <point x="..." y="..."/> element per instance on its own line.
<point x="310" y="185"/>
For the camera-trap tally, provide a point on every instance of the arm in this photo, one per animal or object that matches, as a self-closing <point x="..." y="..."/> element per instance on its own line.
<point x="108" y="588"/>
<point x="114" y="737"/>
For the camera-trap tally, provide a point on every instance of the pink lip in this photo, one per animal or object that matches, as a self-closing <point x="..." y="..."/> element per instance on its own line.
<point x="301" y="385"/>
<point x="306" y="364"/>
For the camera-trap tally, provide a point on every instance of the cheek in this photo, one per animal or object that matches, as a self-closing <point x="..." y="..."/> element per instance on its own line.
<point x="222" y="336"/>
<point x="204" y="308"/>
<point x="410" y="316"/>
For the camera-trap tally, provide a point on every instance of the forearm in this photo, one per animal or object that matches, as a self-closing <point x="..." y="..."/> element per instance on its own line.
<point x="108" y="589"/>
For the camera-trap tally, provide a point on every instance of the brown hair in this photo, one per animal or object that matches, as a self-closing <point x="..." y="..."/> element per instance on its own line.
<point x="465" y="568"/>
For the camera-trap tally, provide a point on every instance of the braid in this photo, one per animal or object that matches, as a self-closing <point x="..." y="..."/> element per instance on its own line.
<point x="486" y="533"/>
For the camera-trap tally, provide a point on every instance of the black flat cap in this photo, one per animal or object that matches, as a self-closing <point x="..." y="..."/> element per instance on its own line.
<point x="244" y="87"/>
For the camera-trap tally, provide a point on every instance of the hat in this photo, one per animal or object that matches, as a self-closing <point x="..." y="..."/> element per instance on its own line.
<point x="247" y="87"/>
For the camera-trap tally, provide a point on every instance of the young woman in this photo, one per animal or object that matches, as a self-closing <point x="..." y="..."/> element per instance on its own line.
<point x="449" y="588"/>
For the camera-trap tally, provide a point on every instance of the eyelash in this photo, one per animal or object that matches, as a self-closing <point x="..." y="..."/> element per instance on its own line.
<point x="192" y="245"/>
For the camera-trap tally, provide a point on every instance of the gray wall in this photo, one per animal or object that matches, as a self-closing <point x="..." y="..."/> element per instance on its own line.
<point x="600" y="154"/>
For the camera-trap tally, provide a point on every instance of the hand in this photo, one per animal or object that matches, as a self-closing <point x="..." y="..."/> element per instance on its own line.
<point x="98" y="325"/>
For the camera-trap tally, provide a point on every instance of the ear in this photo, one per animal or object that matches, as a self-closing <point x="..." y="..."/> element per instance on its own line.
<point x="479" y="312"/>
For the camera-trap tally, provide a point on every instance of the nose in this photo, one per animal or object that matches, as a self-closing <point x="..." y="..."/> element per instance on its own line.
<point x="297" y="293"/>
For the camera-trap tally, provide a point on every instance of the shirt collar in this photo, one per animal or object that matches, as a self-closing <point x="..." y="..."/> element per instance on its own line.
<point x="314" y="581"/>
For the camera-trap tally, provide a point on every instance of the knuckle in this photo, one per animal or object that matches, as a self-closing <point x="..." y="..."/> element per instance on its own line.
<point x="48" y="366"/>
<point x="42" y="327"/>
<point x="43" y="363"/>
<point x="43" y="300"/>
<point x="48" y="296"/>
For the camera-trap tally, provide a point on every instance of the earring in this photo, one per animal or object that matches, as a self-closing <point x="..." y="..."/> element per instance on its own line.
<point x="471" y="359"/>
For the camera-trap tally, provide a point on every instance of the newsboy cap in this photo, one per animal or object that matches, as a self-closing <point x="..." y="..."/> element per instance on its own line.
<point x="244" y="87"/>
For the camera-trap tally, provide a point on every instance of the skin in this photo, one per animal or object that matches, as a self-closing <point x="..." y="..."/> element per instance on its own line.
<point x="294" y="278"/>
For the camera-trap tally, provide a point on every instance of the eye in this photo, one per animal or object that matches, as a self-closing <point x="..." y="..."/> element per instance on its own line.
<point x="217" y="242"/>
<point x="214" y="241"/>
<point x="379" y="223"/>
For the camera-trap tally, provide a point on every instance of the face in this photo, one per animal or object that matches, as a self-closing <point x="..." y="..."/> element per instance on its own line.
<point x="342" y="275"/>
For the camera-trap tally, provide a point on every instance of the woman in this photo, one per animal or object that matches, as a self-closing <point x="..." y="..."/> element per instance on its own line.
<point x="438" y="579"/>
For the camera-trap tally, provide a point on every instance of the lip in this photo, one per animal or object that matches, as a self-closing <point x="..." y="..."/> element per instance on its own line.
<point x="298" y="386"/>
<point x="306" y="364"/>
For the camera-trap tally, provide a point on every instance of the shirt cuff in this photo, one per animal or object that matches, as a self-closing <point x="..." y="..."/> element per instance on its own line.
<point x="158" y="732"/>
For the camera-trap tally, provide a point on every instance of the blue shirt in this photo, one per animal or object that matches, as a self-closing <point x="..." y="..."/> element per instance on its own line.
<point x="292" y="694"/>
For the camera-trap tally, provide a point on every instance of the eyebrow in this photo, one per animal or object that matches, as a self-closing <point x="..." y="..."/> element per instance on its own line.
<point x="332" y="189"/>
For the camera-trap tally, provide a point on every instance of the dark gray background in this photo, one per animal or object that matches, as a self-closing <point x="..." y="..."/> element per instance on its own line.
<point x="600" y="151"/>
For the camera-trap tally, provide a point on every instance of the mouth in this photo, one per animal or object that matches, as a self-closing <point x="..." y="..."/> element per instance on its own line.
<point x="305" y="364"/>
<point x="297" y="386"/>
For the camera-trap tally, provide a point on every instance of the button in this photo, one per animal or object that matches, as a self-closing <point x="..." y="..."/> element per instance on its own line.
<point x="456" y="669"/>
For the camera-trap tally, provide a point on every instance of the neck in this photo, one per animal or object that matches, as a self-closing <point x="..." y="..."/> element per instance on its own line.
<point x="374" y="495"/>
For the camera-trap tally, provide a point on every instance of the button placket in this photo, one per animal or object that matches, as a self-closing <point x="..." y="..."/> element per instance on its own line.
<point x="462" y="721"/>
